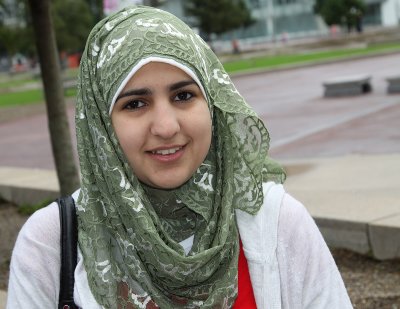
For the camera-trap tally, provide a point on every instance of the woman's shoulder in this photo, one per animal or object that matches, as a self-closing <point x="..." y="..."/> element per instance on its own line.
<point x="35" y="261"/>
<point x="308" y="272"/>
<point x="292" y="211"/>
<point x="288" y="207"/>
<point x="42" y="227"/>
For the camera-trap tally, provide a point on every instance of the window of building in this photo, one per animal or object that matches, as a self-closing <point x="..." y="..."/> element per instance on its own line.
<point x="283" y="2"/>
<point x="255" y="4"/>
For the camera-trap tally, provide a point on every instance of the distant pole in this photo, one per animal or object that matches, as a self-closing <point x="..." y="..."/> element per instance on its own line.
<point x="56" y="109"/>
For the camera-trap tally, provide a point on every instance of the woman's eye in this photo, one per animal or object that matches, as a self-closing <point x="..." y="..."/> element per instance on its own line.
<point x="183" y="96"/>
<point x="135" y="104"/>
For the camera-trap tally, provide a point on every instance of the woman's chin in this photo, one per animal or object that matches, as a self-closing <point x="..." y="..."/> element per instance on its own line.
<point x="166" y="184"/>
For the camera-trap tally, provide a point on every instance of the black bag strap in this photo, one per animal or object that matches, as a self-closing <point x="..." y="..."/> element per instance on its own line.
<point x="69" y="238"/>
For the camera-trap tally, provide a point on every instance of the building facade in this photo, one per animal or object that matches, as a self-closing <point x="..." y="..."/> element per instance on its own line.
<point x="382" y="12"/>
<point x="277" y="19"/>
<point x="273" y="18"/>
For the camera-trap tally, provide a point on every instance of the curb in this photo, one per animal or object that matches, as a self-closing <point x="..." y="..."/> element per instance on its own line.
<point x="24" y="186"/>
<point x="354" y="200"/>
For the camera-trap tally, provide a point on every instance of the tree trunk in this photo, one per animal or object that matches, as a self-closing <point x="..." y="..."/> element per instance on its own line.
<point x="56" y="109"/>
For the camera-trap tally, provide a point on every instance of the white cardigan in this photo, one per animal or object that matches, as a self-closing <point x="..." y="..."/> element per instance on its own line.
<point x="289" y="263"/>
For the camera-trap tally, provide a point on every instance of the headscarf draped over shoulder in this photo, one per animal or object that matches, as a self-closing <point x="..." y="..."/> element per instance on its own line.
<point x="131" y="252"/>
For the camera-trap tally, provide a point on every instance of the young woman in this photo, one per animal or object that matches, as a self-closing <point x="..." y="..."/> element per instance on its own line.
<point x="179" y="206"/>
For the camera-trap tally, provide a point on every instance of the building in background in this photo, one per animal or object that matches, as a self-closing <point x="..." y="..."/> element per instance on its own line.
<point x="12" y="14"/>
<point x="288" y="19"/>
<point x="382" y="13"/>
<point x="273" y="19"/>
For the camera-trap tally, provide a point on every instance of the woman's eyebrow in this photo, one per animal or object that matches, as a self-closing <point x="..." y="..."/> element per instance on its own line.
<point x="147" y="91"/>
<point x="181" y="84"/>
<point x="142" y="91"/>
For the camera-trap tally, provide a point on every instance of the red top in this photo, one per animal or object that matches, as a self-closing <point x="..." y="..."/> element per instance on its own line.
<point x="245" y="298"/>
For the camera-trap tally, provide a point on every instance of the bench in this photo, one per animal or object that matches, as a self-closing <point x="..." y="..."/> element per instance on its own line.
<point x="393" y="84"/>
<point x="347" y="85"/>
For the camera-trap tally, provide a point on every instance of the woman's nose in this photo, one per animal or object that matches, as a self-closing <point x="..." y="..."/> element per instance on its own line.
<point x="165" y="122"/>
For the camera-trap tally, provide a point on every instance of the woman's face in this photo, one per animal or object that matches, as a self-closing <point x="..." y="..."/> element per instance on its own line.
<point x="163" y="124"/>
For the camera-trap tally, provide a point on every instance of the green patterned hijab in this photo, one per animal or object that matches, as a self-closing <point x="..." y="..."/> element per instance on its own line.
<point x="129" y="233"/>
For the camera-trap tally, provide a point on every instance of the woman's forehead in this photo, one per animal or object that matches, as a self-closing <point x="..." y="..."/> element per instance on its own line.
<point x="157" y="72"/>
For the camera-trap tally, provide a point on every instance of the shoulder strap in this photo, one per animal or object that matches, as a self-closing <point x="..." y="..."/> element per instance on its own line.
<point x="69" y="238"/>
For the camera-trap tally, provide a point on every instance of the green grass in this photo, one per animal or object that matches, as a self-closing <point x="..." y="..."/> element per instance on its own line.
<point x="26" y="97"/>
<point x="298" y="58"/>
<point x="21" y="98"/>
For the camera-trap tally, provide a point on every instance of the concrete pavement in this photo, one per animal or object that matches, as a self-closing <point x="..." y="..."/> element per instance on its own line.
<point x="355" y="200"/>
<point x="3" y="297"/>
<point x="28" y="186"/>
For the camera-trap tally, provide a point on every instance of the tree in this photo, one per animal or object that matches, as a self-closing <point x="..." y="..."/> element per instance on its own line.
<point x="14" y="35"/>
<point x="73" y="20"/>
<point x="219" y="16"/>
<point x="55" y="104"/>
<point x="341" y="12"/>
<point x="11" y="39"/>
<point x="153" y="3"/>
<point x="96" y="7"/>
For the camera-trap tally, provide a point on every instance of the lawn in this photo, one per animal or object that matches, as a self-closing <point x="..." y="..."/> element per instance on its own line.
<point x="21" y="97"/>
<point x="26" y="97"/>
<point x="266" y="62"/>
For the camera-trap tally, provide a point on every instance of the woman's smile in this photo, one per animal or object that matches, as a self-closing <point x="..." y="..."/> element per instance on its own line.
<point x="167" y="153"/>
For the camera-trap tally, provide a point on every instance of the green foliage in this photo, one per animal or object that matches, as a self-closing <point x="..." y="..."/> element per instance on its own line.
<point x="340" y="12"/>
<point x="11" y="38"/>
<point x="153" y="3"/>
<point x="96" y="7"/>
<point x="15" y="37"/>
<point x="73" y="20"/>
<point x="219" y="16"/>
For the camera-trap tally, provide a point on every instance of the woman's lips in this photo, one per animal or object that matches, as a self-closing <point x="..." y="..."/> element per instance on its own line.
<point x="167" y="154"/>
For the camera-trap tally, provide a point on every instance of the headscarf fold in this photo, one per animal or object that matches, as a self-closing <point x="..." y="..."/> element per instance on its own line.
<point x="129" y="240"/>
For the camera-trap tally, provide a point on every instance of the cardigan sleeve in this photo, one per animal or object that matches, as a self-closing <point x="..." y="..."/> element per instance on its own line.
<point x="309" y="275"/>
<point x="35" y="262"/>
